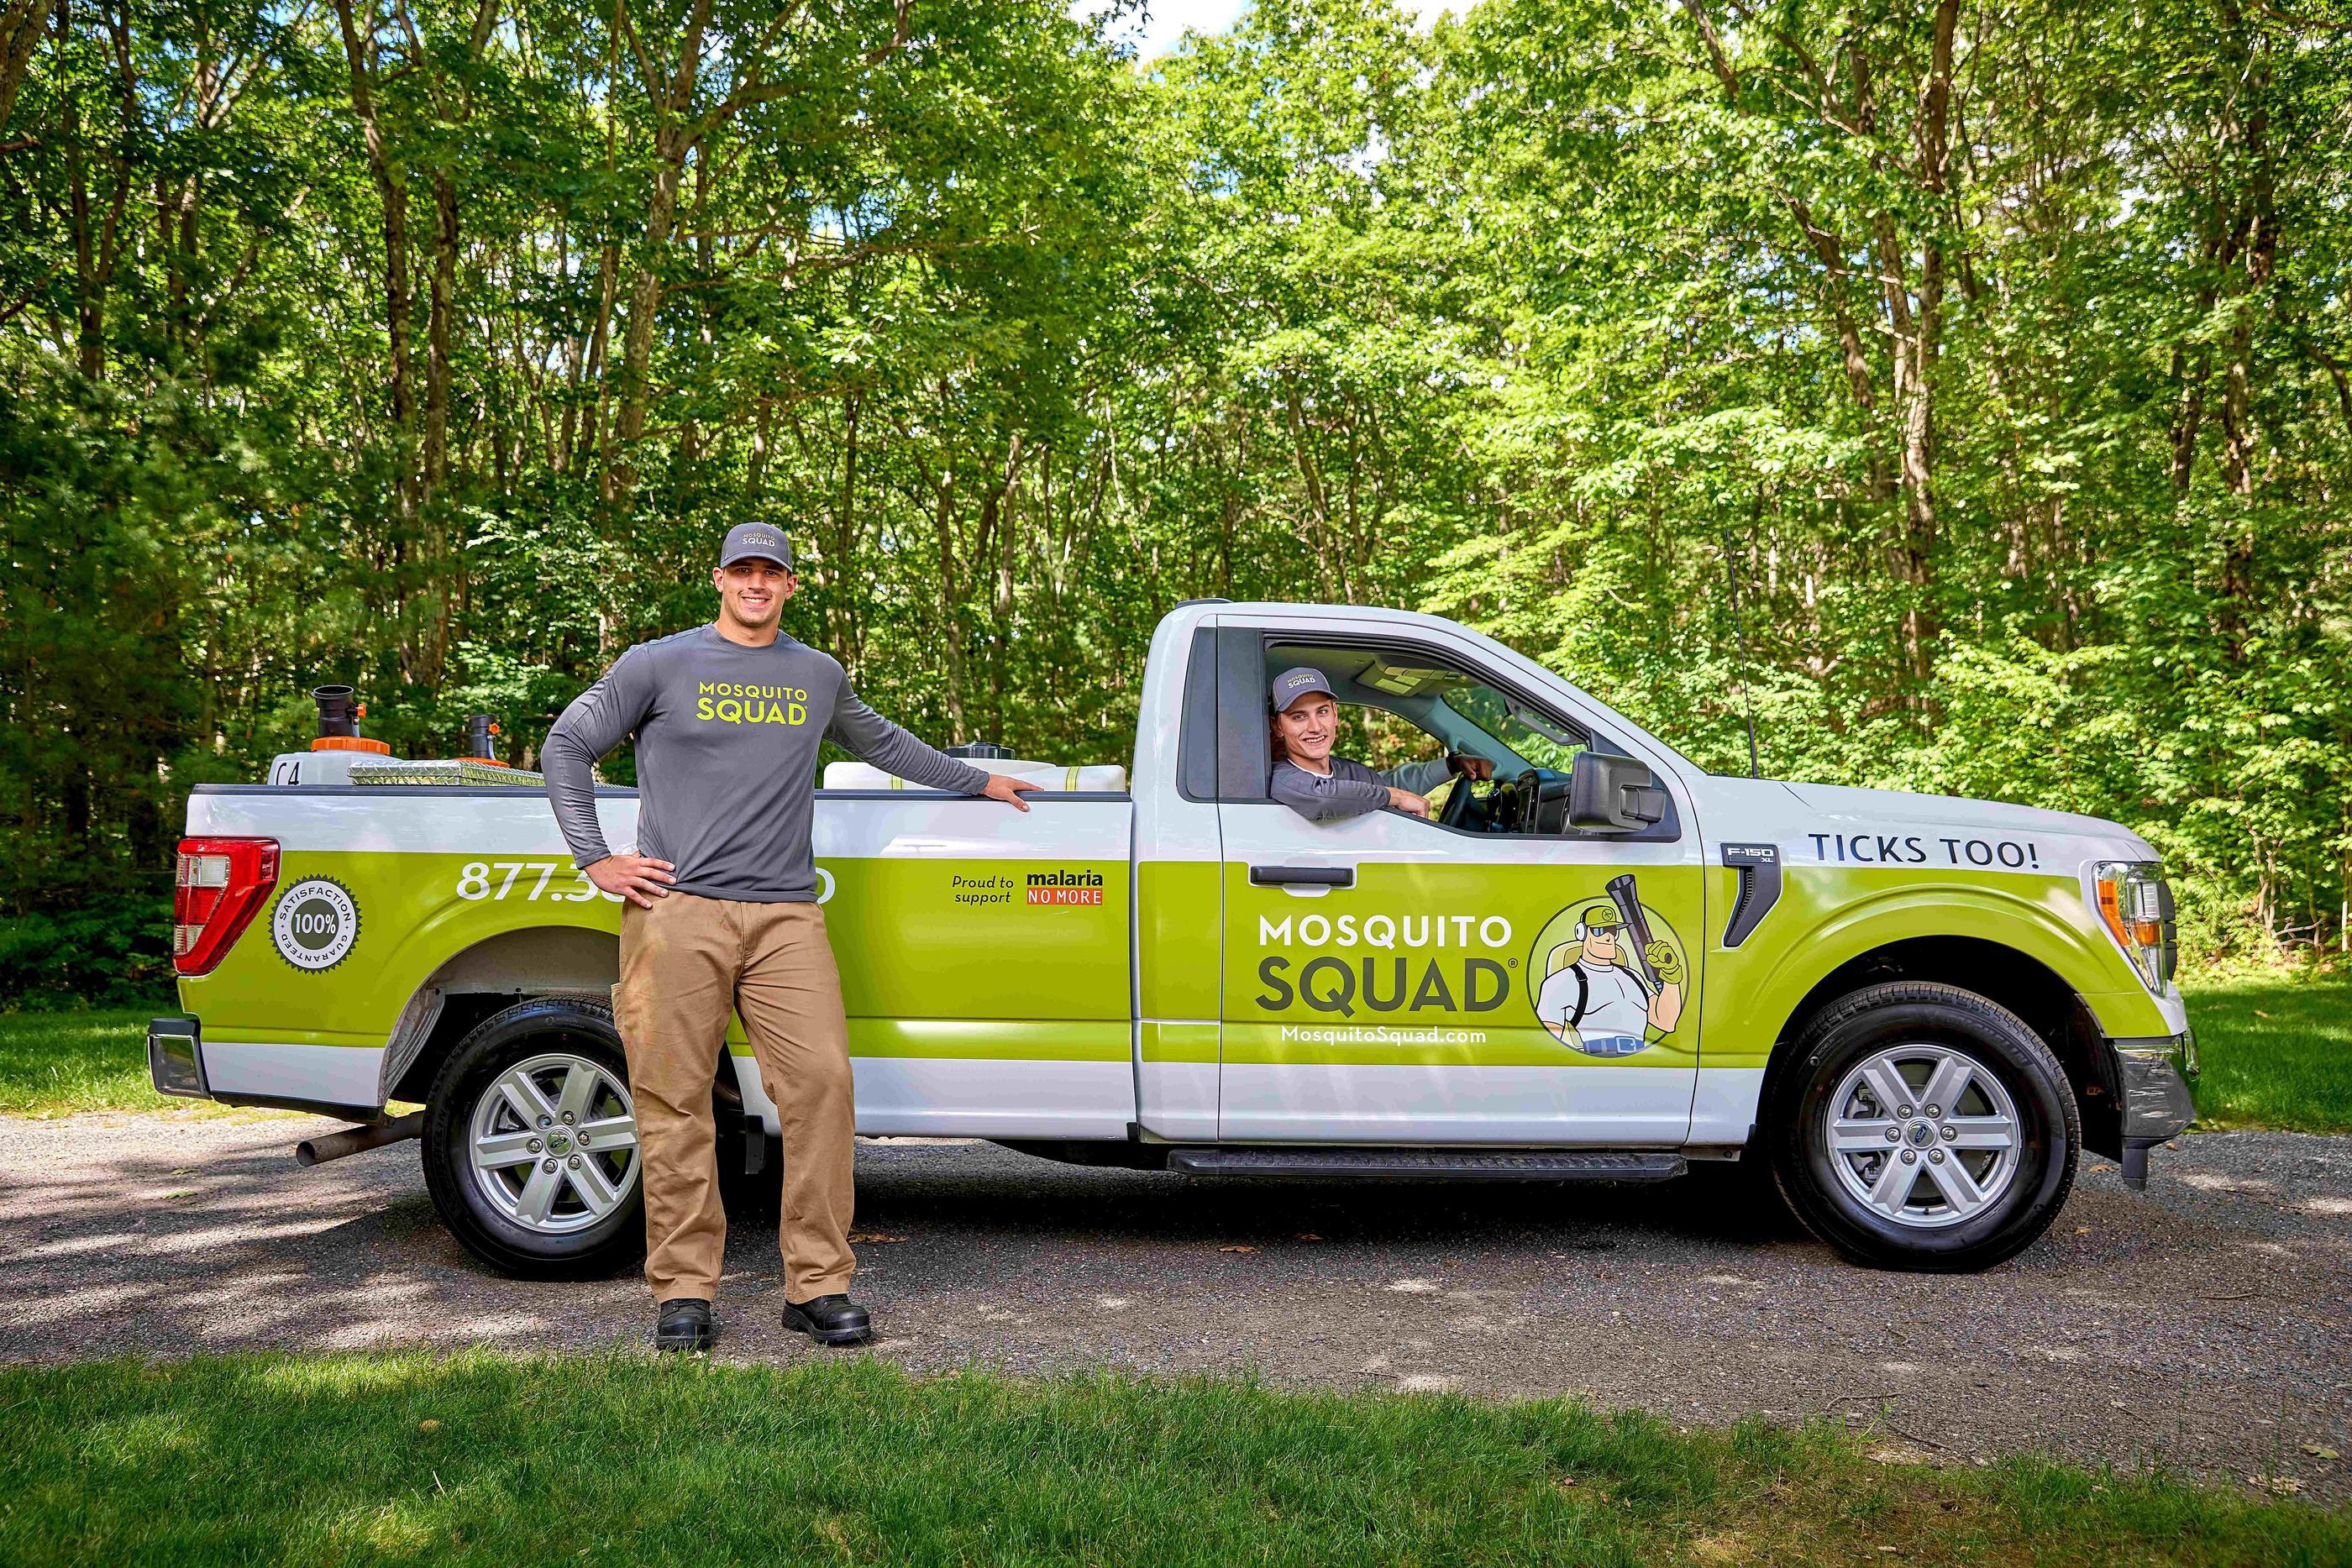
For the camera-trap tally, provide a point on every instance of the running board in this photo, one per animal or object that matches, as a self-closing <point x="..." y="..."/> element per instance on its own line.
<point x="1433" y="1164"/>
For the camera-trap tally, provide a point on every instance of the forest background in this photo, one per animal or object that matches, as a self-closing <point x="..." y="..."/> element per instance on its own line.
<point x="2000" y="346"/>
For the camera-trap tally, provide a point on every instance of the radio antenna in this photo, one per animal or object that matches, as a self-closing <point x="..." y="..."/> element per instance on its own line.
<point x="1740" y="638"/>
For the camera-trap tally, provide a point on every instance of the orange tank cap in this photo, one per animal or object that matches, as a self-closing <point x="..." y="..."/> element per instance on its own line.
<point x="351" y="743"/>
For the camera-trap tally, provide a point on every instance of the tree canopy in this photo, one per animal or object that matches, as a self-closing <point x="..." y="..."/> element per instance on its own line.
<point x="1996" y="351"/>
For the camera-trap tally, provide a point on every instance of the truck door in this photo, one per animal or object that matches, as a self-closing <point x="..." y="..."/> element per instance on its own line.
<point x="1484" y="977"/>
<point x="1179" y="930"/>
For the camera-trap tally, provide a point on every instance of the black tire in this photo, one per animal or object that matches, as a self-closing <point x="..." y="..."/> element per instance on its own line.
<point x="501" y="1041"/>
<point x="1847" y="1034"/>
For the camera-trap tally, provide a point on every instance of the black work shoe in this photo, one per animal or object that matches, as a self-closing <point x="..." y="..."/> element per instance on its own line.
<point x="683" y="1324"/>
<point x="829" y="1320"/>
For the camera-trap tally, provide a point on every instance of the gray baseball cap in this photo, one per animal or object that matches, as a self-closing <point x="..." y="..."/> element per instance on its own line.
<point x="756" y="541"/>
<point x="1296" y="683"/>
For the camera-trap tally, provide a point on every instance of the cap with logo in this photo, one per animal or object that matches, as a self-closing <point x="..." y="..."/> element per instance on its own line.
<point x="756" y="541"/>
<point x="1299" y="681"/>
<point x="1601" y="915"/>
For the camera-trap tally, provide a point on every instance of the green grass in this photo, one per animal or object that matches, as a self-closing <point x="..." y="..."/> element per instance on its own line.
<point x="53" y="1063"/>
<point x="2275" y="1053"/>
<point x="499" y="1460"/>
<point x="2278" y="1053"/>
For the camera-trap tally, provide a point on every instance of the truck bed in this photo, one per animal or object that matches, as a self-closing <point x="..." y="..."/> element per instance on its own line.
<point x="985" y="951"/>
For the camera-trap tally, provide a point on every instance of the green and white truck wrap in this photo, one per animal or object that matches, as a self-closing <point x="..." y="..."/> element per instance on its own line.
<point x="1600" y="965"/>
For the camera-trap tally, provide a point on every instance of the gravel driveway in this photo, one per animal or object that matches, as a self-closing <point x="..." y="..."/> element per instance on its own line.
<point x="2207" y="1324"/>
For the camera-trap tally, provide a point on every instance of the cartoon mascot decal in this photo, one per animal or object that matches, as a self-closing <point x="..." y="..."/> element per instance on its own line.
<point x="1613" y="981"/>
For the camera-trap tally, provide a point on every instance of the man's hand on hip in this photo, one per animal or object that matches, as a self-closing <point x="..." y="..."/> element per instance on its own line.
<point x="1007" y="789"/>
<point x="640" y="879"/>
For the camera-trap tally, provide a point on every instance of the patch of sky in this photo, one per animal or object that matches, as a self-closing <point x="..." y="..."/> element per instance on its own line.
<point x="1153" y="28"/>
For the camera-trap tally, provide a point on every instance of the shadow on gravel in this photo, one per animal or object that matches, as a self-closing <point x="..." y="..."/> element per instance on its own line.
<point x="210" y="1248"/>
<point x="1019" y="1195"/>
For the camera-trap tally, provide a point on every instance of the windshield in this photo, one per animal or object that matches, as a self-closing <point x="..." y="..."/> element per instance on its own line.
<point x="1535" y="737"/>
<point x="1395" y="703"/>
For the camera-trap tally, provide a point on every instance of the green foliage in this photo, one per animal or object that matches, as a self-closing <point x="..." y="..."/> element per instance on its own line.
<point x="409" y="1457"/>
<point x="426" y="347"/>
<point x="106" y="951"/>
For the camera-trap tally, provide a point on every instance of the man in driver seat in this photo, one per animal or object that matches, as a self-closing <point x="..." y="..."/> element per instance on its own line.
<point x="1322" y="788"/>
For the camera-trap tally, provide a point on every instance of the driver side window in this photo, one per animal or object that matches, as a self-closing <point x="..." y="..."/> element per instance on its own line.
<point x="1400" y="705"/>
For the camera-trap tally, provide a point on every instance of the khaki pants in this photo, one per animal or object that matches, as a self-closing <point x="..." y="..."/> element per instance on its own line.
<point x="685" y="964"/>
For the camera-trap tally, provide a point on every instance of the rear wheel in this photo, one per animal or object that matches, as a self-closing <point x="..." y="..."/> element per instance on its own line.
<point x="530" y="1143"/>
<point x="1921" y="1126"/>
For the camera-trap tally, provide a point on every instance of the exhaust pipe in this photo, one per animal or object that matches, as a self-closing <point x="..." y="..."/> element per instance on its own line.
<point x="356" y="1140"/>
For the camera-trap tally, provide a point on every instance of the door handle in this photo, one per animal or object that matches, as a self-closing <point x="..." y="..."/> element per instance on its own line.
<point x="1302" y="876"/>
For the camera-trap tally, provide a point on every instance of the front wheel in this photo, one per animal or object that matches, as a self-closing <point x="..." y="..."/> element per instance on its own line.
<point x="1923" y="1127"/>
<point x="530" y="1143"/>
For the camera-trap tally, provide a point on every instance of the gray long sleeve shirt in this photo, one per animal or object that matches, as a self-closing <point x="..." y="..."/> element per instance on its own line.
<point x="1350" y="789"/>
<point x="727" y="744"/>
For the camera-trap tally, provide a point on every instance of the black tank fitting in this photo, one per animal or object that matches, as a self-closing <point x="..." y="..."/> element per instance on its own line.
<point x="339" y="710"/>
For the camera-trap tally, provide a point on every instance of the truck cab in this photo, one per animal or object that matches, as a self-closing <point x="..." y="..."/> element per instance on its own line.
<point x="1599" y="962"/>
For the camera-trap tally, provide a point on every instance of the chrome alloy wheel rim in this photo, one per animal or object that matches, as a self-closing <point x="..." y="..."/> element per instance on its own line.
<point x="1922" y="1135"/>
<point x="554" y="1143"/>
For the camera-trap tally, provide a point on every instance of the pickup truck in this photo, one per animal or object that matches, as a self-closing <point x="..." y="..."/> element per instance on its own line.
<point x="1600" y="964"/>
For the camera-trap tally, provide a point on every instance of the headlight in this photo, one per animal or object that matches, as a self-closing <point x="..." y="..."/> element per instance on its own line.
<point x="2136" y="902"/>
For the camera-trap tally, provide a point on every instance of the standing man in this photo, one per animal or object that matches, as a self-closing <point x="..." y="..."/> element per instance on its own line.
<point x="721" y="915"/>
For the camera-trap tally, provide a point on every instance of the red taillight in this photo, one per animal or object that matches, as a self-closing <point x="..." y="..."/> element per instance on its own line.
<point x="220" y="886"/>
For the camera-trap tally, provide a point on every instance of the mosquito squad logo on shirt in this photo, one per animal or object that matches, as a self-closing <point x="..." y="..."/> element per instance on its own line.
<point x="734" y="701"/>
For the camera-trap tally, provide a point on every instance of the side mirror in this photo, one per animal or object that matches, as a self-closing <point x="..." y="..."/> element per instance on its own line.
<point x="1615" y="794"/>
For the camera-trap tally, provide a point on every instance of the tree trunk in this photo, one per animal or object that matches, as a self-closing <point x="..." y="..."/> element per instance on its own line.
<point x="21" y="22"/>
<point x="96" y="250"/>
<point x="644" y="294"/>
<point x="88" y="315"/>
<point x="2187" y="422"/>
<point x="2258" y="215"/>
<point x="429" y="649"/>
<point x="443" y="306"/>
<point x="672" y="100"/>
<point x="848" y="642"/>
<point x="943" y="526"/>
<point x="1919" y="343"/>
<point x="597" y="427"/>
<point x="391" y="183"/>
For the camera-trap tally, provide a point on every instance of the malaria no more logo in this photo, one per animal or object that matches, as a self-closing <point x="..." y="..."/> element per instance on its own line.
<point x="315" y="924"/>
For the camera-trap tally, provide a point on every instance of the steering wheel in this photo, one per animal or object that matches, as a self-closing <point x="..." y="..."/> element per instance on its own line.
<point x="1509" y="807"/>
<point x="1455" y="812"/>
